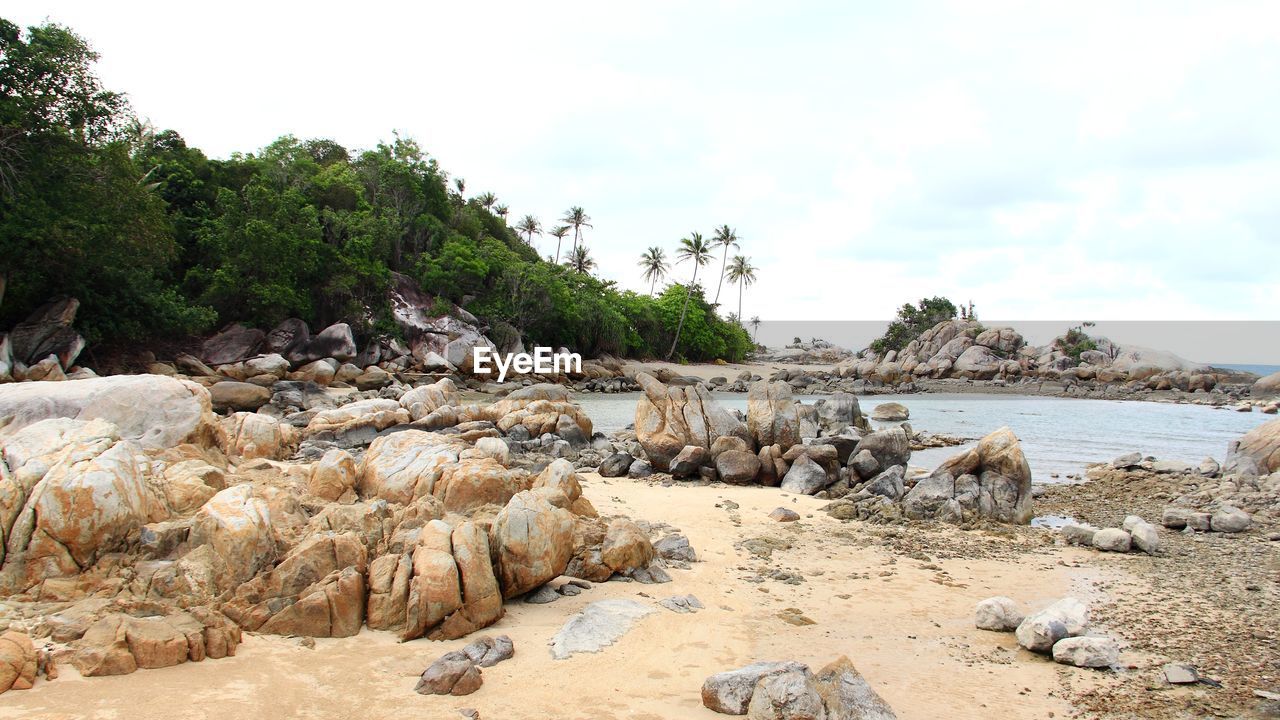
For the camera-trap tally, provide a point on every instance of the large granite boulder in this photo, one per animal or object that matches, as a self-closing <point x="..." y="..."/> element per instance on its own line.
<point x="335" y="341"/>
<point x="1269" y="385"/>
<point x="1257" y="452"/>
<point x="531" y="540"/>
<point x="991" y="481"/>
<point x="232" y="344"/>
<point x="669" y="418"/>
<point x="771" y="415"/>
<point x="406" y="465"/>
<point x="250" y="435"/>
<point x="425" y="399"/>
<point x="155" y="411"/>
<point x="46" y="332"/>
<point x="887" y="447"/>
<point x="236" y="525"/>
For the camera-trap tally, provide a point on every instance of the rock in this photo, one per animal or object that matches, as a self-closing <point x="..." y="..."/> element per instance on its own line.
<point x="559" y="475"/>
<point x="737" y="467"/>
<point x="406" y="465"/>
<point x="1171" y="467"/>
<point x="890" y="412"/>
<point x="48" y="331"/>
<point x="730" y="692"/>
<point x="616" y="465"/>
<point x="1112" y="540"/>
<point x="626" y="548"/>
<point x="888" y="447"/>
<point x="669" y="418"/>
<point x="1230" y="519"/>
<point x="236" y="396"/>
<point x="1176" y="518"/>
<point x="451" y="674"/>
<point x="335" y="341"/>
<point x="848" y="696"/>
<point x="1269" y="385"/>
<point x="1127" y="461"/>
<point x="864" y="464"/>
<point x="334" y="475"/>
<point x="232" y="344"/>
<point x="687" y="462"/>
<point x="1146" y="537"/>
<point x="1257" y="452"/>
<point x="997" y="613"/>
<point x="373" y="378"/>
<point x="175" y="412"/>
<point x="17" y="661"/>
<point x="253" y="435"/>
<point x="1067" y="617"/>
<point x="726" y="443"/>
<point x="640" y="468"/>
<point x="600" y="624"/>
<point x="1180" y="674"/>
<point x="784" y="515"/>
<point x="991" y="481"/>
<point x="805" y="477"/>
<point x="426" y="399"/>
<point x="542" y="595"/>
<point x="1079" y="534"/>
<point x="1087" y="652"/>
<point x="531" y="541"/>
<point x="236" y="524"/>
<point x="681" y="604"/>
<point x="771" y="415"/>
<point x="481" y="595"/>
<point x="675" y="547"/>
<point x="788" y="695"/>
<point x="1209" y="467"/>
<point x="887" y="484"/>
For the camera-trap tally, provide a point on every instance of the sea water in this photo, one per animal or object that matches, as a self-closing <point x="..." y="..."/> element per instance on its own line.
<point x="1059" y="435"/>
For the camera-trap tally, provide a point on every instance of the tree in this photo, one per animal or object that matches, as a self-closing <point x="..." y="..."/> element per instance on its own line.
<point x="501" y="210"/>
<point x="725" y="237"/>
<point x="487" y="200"/>
<point x="912" y="320"/>
<point x="755" y="327"/>
<point x="654" y="263"/>
<point x="576" y="218"/>
<point x="529" y="226"/>
<point x="558" y="233"/>
<point x="742" y="272"/>
<point x="699" y="251"/>
<point x="580" y="260"/>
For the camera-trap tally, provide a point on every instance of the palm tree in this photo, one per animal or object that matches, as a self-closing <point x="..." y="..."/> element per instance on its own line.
<point x="755" y="327"/>
<point x="654" y="262"/>
<point x="461" y="185"/>
<point x="558" y="233"/>
<point x="742" y="272"/>
<point x="529" y="226"/>
<point x="487" y="200"/>
<point x="501" y="210"/>
<point x="699" y="251"/>
<point x="580" y="260"/>
<point x="576" y="218"/>
<point x="726" y="237"/>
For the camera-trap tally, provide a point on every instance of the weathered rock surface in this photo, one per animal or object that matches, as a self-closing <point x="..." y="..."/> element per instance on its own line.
<point x="997" y="613"/>
<point x="669" y="418"/>
<point x="771" y="415"/>
<point x="991" y="481"/>
<point x="599" y="625"/>
<point x="1039" y="632"/>
<point x="730" y="692"/>
<point x="531" y="541"/>
<point x="1086" y="652"/>
<point x="1255" y="453"/>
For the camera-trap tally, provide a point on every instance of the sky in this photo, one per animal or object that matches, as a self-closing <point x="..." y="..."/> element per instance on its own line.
<point x="1047" y="161"/>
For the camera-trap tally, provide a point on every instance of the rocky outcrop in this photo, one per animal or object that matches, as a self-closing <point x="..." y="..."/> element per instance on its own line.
<point x="48" y="332"/>
<point x="117" y="643"/>
<point x="991" y="481"/>
<point x="669" y="418"/>
<point x="174" y="411"/>
<point x="1264" y="386"/>
<point x="531" y="540"/>
<point x="790" y="691"/>
<point x="771" y="415"/>
<point x="17" y="661"/>
<point x="232" y="344"/>
<point x="406" y="465"/>
<point x="1257" y="452"/>
<point x="254" y="435"/>
<point x="236" y="524"/>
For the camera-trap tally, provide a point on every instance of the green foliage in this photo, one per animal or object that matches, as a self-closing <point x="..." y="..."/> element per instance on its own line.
<point x="1075" y="341"/>
<point x="913" y="320"/>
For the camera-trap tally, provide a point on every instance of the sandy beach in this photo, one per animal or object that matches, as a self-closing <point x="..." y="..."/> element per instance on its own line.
<point x="898" y="602"/>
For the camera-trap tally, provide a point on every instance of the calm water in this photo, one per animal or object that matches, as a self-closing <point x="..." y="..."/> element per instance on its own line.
<point x="1059" y="435"/>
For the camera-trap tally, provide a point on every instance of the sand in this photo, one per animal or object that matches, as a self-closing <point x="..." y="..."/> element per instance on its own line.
<point x="730" y="371"/>
<point x="899" y="603"/>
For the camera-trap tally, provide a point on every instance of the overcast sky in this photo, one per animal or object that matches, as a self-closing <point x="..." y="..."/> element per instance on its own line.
<point x="1098" y="160"/>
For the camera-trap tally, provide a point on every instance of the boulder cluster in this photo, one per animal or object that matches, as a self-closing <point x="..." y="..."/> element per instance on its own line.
<point x="791" y="691"/>
<point x="1060" y="630"/>
<point x="139" y="529"/>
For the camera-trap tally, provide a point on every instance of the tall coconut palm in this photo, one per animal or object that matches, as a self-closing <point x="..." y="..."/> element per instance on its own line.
<point x="501" y="210"/>
<point x="699" y="251"/>
<point x="726" y="237"/>
<point x="580" y="260"/>
<point x="487" y="200"/>
<point x="576" y="218"/>
<point x="529" y="226"/>
<point x="558" y="232"/>
<point x="654" y="263"/>
<point x="755" y="327"/>
<point x="461" y="185"/>
<point x="742" y="272"/>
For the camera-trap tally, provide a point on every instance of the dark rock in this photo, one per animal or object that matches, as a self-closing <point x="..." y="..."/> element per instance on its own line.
<point x="233" y="344"/>
<point x="48" y="331"/>
<point x="616" y="465"/>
